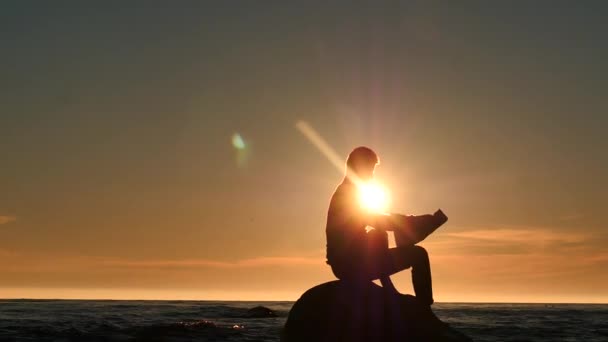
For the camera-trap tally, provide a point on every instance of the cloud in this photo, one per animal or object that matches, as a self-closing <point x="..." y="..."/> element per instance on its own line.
<point x="525" y="234"/>
<point x="514" y="240"/>
<point x="519" y="253"/>
<point x="571" y="216"/>
<point x="466" y="264"/>
<point x="7" y="219"/>
<point x="206" y="263"/>
<point x="5" y="253"/>
<point x="40" y="263"/>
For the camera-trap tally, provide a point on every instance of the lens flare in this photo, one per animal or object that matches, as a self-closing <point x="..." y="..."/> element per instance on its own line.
<point x="242" y="149"/>
<point x="238" y="142"/>
<point x="373" y="197"/>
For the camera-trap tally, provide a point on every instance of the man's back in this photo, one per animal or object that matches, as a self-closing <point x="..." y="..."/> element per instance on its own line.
<point x="345" y="229"/>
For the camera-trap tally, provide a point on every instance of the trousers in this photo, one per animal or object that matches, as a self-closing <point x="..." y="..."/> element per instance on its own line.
<point x="375" y="260"/>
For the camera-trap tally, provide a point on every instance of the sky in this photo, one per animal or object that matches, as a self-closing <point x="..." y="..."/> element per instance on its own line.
<point x="149" y="150"/>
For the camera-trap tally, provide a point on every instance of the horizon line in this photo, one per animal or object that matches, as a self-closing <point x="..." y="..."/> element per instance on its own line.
<point x="278" y="300"/>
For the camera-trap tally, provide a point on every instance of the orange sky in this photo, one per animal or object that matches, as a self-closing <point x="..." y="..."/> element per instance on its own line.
<point x="121" y="177"/>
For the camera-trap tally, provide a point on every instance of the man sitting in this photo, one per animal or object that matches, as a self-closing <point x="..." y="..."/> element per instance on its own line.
<point x="358" y="254"/>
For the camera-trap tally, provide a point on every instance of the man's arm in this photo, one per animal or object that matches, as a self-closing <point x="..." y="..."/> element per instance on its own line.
<point x="386" y="222"/>
<point x="391" y="222"/>
<point x="414" y="229"/>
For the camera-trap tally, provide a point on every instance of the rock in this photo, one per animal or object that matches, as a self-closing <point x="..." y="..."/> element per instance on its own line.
<point x="335" y="311"/>
<point x="260" y="312"/>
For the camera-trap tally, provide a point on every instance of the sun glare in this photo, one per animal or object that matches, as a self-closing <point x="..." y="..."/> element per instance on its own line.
<point x="373" y="197"/>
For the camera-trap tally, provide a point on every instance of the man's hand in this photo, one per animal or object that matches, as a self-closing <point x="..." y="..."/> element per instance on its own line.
<point x="385" y="222"/>
<point x="440" y="217"/>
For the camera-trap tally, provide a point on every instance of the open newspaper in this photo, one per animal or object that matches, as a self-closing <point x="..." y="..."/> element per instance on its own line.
<point x="411" y="229"/>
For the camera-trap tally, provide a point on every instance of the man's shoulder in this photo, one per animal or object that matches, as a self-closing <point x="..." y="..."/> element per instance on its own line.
<point x="345" y="186"/>
<point x="344" y="189"/>
<point x="343" y="195"/>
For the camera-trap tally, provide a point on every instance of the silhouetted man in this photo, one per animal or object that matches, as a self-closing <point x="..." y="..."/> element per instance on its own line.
<point x="355" y="254"/>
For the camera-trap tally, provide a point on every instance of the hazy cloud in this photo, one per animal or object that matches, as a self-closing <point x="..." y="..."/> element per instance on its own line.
<point x="513" y="240"/>
<point x="45" y="264"/>
<point x="520" y="235"/>
<point x="465" y="265"/>
<point x="5" y="253"/>
<point x="7" y="218"/>
<point x="253" y="262"/>
<point x="571" y="216"/>
<point x="519" y="254"/>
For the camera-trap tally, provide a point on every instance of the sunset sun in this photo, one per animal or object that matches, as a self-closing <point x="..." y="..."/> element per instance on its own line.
<point x="373" y="197"/>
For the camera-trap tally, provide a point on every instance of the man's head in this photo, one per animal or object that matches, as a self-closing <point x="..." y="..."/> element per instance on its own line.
<point x="362" y="161"/>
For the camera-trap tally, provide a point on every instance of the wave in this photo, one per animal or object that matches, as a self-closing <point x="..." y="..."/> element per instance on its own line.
<point x="55" y="320"/>
<point x="121" y="321"/>
<point x="183" y="330"/>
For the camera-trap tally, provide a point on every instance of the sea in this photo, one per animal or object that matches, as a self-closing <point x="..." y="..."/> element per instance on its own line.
<point x="112" y="320"/>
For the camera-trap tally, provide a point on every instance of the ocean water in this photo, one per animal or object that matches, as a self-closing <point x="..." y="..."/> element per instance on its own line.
<point x="104" y="320"/>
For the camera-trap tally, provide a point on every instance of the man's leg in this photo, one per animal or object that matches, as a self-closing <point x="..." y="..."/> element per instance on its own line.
<point x="417" y="258"/>
<point x="378" y="258"/>
<point x="387" y="283"/>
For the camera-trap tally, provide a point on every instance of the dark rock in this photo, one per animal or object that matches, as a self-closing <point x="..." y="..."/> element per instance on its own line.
<point x="260" y="312"/>
<point x="336" y="311"/>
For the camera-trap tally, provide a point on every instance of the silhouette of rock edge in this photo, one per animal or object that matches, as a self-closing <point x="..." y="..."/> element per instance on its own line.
<point x="335" y="311"/>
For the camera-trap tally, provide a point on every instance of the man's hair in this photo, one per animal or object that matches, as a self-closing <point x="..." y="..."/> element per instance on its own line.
<point x="362" y="157"/>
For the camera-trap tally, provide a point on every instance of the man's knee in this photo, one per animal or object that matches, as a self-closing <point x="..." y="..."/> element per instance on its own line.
<point x="376" y="248"/>
<point x="420" y="254"/>
<point x="377" y="239"/>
